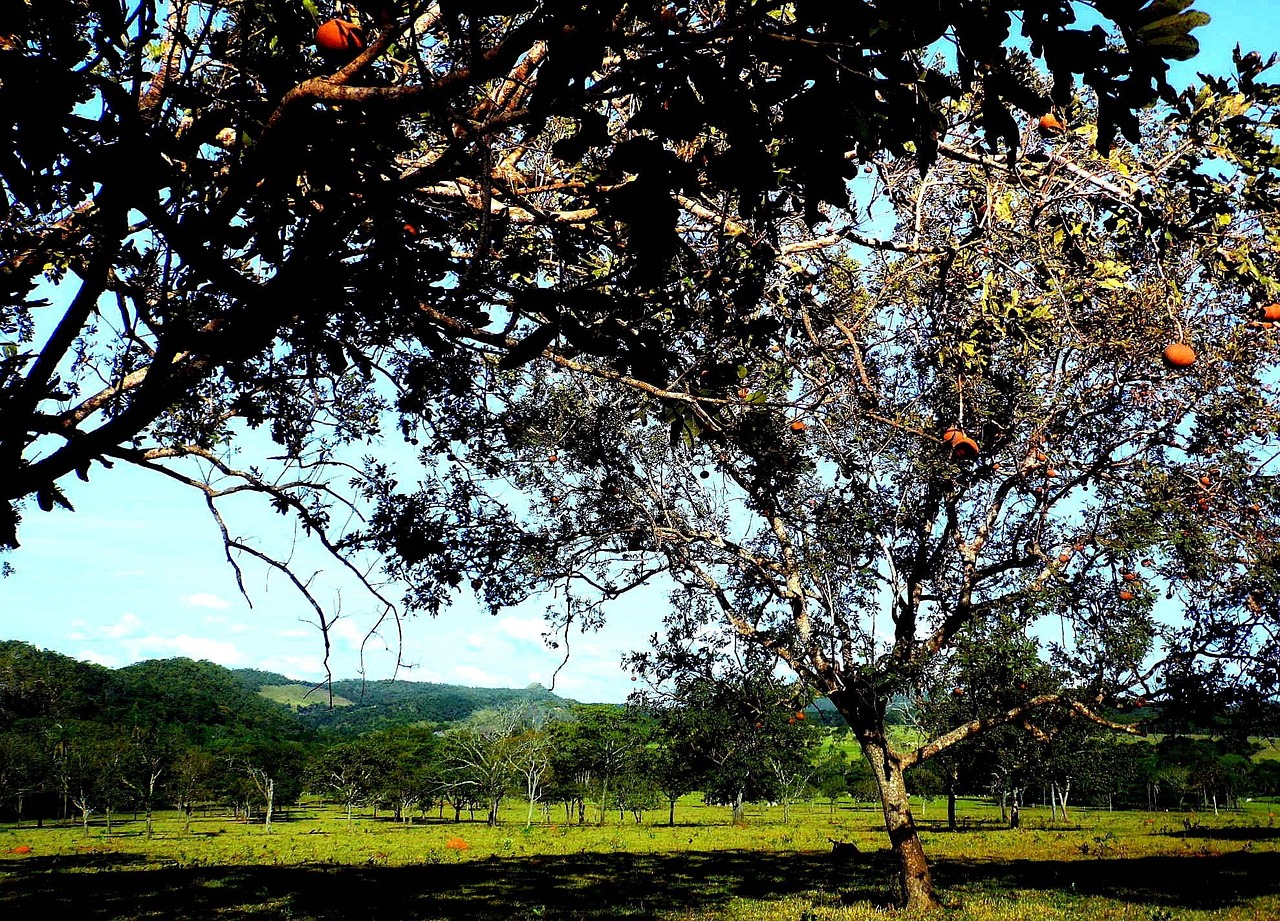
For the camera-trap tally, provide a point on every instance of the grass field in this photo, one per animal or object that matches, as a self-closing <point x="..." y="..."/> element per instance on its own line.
<point x="314" y="865"/>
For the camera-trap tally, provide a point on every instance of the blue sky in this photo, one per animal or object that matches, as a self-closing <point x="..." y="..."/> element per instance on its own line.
<point x="137" y="572"/>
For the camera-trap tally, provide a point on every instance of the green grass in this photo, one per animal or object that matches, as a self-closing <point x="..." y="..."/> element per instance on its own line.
<point x="1122" y="865"/>
<point x="294" y="696"/>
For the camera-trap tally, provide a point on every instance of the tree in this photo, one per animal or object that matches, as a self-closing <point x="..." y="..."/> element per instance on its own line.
<point x="593" y="747"/>
<point x="412" y="754"/>
<point x="654" y="200"/>
<point x="971" y="426"/>
<point x="267" y="773"/>
<point x="22" y="771"/>
<point x="740" y="731"/>
<point x="309" y="242"/>
<point x="352" y="771"/>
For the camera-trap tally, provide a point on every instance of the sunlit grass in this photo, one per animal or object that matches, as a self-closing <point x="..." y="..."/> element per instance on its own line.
<point x="1096" y="865"/>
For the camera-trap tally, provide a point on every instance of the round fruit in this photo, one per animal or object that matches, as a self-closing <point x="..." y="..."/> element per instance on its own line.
<point x="1179" y="355"/>
<point x="959" y="692"/>
<point x="1271" y="312"/>
<point x="1064" y="557"/>
<point x="799" y="714"/>
<point x="951" y="435"/>
<point x="964" y="448"/>
<point x="1205" y="481"/>
<point x="1051" y="124"/>
<point x="553" y="458"/>
<point x="798" y="426"/>
<point x="1131" y="577"/>
<point x="1127" y="595"/>
<point x="338" y="36"/>
<point x="1051" y="473"/>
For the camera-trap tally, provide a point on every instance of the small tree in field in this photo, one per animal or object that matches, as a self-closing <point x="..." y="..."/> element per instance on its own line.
<point x="742" y="737"/>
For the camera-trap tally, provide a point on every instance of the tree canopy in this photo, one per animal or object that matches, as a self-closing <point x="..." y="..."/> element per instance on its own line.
<point x="864" y="324"/>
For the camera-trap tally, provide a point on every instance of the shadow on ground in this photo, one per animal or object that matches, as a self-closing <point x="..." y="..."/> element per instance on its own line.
<point x="585" y="887"/>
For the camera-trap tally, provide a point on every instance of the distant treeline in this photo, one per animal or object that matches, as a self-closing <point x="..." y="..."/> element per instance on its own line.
<point x="78" y="741"/>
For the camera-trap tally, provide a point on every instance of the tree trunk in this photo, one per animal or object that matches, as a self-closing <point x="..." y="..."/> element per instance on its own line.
<point x="271" y="802"/>
<point x="951" y="808"/>
<point x="671" y="813"/>
<point x="914" y="879"/>
<point x="739" y="814"/>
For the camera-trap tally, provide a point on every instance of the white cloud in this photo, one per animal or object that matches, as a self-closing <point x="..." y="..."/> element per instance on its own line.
<point x="295" y="633"/>
<point x="479" y="678"/>
<point x="101" y="658"/>
<point x="193" y="647"/>
<point x="528" y="629"/>
<point x="206" y="600"/>
<point x="477" y="640"/>
<point x="303" y="667"/>
<point x="126" y="625"/>
<point x="229" y="626"/>
<point x="348" y="631"/>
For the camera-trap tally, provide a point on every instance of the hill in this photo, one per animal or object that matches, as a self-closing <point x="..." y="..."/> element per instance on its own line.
<point x="201" y="701"/>
<point x="393" y="702"/>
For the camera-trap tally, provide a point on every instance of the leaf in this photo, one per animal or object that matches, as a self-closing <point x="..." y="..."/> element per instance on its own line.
<point x="530" y="347"/>
<point x="1170" y="36"/>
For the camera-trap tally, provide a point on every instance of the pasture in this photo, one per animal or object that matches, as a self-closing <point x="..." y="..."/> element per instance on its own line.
<point x="1128" y="866"/>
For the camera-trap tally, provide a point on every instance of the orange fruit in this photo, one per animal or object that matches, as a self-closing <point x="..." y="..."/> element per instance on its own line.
<point x="964" y="448"/>
<point x="1127" y="595"/>
<point x="1271" y="312"/>
<point x="1064" y="557"/>
<point x="1179" y="355"/>
<point x="338" y="36"/>
<point x="1051" y="124"/>
<point x="798" y="426"/>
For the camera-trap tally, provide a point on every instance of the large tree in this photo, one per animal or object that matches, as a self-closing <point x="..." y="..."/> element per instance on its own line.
<point x="211" y="224"/>
<point x="859" y="349"/>
<point x="977" y="419"/>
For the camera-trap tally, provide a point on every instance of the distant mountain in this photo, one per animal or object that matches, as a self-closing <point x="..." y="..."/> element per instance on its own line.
<point x="364" y="706"/>
<point x="202" y="701"/>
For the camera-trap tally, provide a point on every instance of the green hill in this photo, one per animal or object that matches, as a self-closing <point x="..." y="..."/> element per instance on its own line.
<point x="373" y="705"/>
<point x="201" y="701"/>
<point x="295" y="696"/>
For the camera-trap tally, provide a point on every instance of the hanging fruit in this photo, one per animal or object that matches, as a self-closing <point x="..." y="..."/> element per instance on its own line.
<point x="1179" y="355"/>
<point x="338" y="36"/>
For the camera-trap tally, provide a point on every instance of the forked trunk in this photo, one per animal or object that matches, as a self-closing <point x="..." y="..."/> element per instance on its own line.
<point x="914" y="878"/>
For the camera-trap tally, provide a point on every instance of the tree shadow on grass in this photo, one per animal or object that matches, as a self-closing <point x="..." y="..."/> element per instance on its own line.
<point x="582" y="887"/>
<point x="1194" y="881"/>
<point x="1244" y="833"/>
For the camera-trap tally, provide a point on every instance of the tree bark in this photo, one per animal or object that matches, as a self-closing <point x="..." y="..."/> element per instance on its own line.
<point x="915" y="880"/>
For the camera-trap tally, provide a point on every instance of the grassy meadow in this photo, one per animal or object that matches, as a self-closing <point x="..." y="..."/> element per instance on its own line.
<point x="314" y="865"/>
